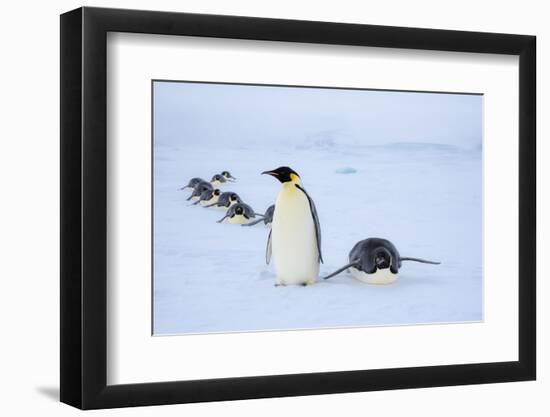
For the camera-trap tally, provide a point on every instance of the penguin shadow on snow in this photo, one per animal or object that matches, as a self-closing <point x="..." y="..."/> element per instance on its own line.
<point x="266" y="275"/>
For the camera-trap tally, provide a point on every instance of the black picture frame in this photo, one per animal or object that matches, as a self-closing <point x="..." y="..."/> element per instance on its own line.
<point x="84" y="207"/>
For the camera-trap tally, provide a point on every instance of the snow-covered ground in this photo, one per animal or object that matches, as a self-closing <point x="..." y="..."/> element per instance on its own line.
<point x="402" y="166"/>
<point x="424" y="197"/>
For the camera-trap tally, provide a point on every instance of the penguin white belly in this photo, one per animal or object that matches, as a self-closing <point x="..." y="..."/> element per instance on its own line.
<point x="216" y="183"/>
<point x="238" y="219"/>
<point x="380" y="277"/>
<point x="213" y="200"/>
<point x="293" y="240"/>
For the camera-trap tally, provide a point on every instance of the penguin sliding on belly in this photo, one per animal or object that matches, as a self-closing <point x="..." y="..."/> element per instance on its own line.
<point x="226" y="200"/>
<point x="295" y="236"/>
<point x="192" y="182"/>
<point x="375" y="261"/>
<point x="199" y="189"/>
<point x="208" y="197"/>
<point x="267" y="218"/>
<point x="227" y="175"/>
<point x="218" y="180"/>
<point x="239" y="213"/>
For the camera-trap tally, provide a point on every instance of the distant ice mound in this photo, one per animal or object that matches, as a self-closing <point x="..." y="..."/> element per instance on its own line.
<point x="422" y="147"/>
<point x="346" y="170"/>
<point x="327" y="139"/>
<point x="342" y="143"/>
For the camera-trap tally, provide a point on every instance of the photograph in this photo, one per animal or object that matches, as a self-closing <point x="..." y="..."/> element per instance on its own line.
<point x="284" y="207"/>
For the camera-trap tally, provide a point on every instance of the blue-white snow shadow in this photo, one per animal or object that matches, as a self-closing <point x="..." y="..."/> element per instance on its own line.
<point x="347" y="170"/>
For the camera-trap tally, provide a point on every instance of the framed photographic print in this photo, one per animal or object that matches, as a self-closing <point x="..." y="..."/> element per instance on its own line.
<point x="258" y="207"/>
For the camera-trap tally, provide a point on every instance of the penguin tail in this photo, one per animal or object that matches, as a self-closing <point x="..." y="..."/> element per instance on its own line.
<point x="340" y="270"/>
<point x="424" y="261"/>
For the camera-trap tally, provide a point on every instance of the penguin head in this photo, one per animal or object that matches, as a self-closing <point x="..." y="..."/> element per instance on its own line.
<point x="227" y="175"/>
<point x="218" y="178"/>
<point x="234" y="197"/>
<point x="239" y="209"/>
<point x="382" y="259"/>
<point x="216" y="192"/>
<point x="284" y="174"/>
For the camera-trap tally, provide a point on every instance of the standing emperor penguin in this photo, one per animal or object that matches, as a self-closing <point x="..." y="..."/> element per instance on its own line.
<point x="295" y="236"/>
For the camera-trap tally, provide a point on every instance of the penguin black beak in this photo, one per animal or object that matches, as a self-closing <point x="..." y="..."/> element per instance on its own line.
<point x="272" y="173"/>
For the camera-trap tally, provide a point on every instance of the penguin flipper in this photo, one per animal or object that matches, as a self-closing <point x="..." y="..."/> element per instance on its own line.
<point x="315" y="221"/>
<point x="222" y="219"/>
<point x="355" y="263"/>
<point x="268" y="249"/>
<point x="253" y="223"/>
<point x="424" y="261"/>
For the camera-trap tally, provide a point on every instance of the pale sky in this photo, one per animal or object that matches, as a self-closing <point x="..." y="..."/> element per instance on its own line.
<point x="229" y="115"/>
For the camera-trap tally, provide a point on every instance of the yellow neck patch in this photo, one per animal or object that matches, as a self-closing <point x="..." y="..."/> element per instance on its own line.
<point x="294" y="178"/>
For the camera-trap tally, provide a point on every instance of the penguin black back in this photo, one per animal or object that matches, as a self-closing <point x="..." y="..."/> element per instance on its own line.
<point x="199" y="188"/>
<point x="192" y="182"/>
<point x="267" y="217"/>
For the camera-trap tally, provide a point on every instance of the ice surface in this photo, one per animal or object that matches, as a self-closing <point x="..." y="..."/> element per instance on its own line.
<point x="417" y="182"/>
<point x="211" y="277"/>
